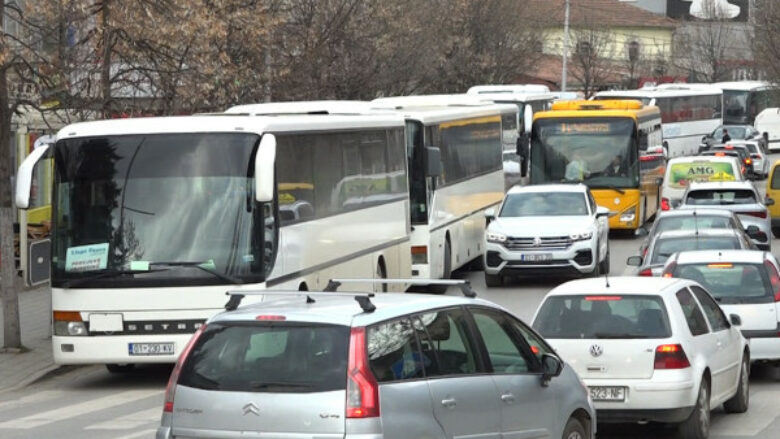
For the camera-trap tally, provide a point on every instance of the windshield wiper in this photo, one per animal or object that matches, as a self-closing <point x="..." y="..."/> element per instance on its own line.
<point x="199" y="265"/>
<point x="278" y="384"/>
<point x="610" y="186"/>
<point x="109" y="272"/>
<point x="619" y="335"/>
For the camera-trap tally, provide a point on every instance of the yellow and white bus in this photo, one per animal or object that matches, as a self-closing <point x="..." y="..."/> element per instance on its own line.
<point x="602" y="144"/>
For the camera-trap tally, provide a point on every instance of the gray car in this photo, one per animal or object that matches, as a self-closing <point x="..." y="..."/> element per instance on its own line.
<point x="740" y="197"/>
<point x="667" y="243"/>
<point x="356" y="365"/>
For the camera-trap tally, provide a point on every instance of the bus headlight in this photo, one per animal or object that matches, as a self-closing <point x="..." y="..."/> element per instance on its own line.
<point x="584" y="236"/>
<point x="628" y="216"/>
<point x="497" y="238"/>
<point x="70" y="328"/>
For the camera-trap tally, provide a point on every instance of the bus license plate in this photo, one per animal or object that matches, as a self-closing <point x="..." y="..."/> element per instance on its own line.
<point x="608" y="393"/>
<point x="536" y="257"/>
<point x="150" y="348"/>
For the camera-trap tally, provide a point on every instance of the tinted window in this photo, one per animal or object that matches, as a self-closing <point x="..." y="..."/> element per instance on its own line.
<point x="730" y="283"/>
<point x="544" y="204"/>
<point x="711" y="310"/>
<point x="470" y="148"/>
<point x="504" y="350"/>
<point x="720" y="197"/>
<point x="690" y="222"/>
<point x="603" y="316"/>
<point x="693" y="316"/>
<point x="689" y="108"/>
<point x="663" y="248"/>
<point x="776" y="178"/>
<point x="393" y="351"/>
<point x="448" y="333"/>
<point x="269" y="358"/>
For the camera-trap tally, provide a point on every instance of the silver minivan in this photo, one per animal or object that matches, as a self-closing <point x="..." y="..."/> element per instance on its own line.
<point x="352" y="365"/>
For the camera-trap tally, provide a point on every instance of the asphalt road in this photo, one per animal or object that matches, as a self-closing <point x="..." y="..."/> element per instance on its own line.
<point x="90" y="403"/>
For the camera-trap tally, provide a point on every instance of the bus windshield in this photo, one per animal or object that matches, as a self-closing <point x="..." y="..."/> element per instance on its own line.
<point x="158" y="210"/>
<point x="601" y="152"/>
<point x="735" y="103"/>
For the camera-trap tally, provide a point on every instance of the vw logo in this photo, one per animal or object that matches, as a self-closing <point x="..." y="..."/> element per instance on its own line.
<point x="596" y="350"/>
<point x="537" y="241"/>
<point x="251" y="408"/>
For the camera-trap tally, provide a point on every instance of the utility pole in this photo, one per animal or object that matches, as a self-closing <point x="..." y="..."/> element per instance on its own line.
<point x="565" y="71"/>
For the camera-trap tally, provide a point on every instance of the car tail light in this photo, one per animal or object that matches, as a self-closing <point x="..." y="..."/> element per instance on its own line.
<point x="671" y="356"/>
<point x="748" y="161"/>
<point x="728" y="147"/>
<point x="362" y="388"/>
<point x="774" y="279"/>
<point x="170" y="389"/>
<point x="665" y="204"/>
<point x="757" y="214"/>
<point x="271" y="317"/>
<point x="720" y="154"/>
<point x="755" y="156"/>
<point x="602" y="298"/>
<point x="669" y="270"/>
<point x="646" y="272"/>
<point x="419" y="254"/>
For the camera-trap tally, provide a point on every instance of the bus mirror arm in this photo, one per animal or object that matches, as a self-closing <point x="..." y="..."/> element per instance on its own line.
<point x="24" y="176"/>
<point x="264" y="169"/>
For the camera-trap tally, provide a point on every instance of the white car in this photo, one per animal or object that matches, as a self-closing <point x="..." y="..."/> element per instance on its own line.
<point x="682" y="171"/>
<point x="746" y="283"/>
<point x="646" y="350"/>
<point x="544" y="228"/>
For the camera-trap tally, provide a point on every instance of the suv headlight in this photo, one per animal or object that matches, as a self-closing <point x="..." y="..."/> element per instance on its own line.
<point x="496" y="237"/>
<point x="584" y="236"/>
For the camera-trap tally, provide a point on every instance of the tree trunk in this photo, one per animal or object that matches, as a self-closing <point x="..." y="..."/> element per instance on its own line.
<point x="105" y="70"/>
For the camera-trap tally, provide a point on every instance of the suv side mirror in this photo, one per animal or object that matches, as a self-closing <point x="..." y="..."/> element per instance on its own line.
<point x="433" y="161"/>
<point x="752" y="231"/>
<point x="769" y="201"/>
<point x="602" y="211"/>
<point x="634" y="261"/>
<point x="552" y="367"/>
<point x="735" y="320"/>
<point x="490" y="215"/>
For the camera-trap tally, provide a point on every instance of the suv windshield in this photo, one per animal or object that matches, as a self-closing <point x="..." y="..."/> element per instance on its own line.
<point x="603" y="316"/>
<point x="720" y="197"/>
<point x="156" y="210"/>
<point x="544" y="204"/>
<point x="278" y="357"/>
<point x="730" y="283"/>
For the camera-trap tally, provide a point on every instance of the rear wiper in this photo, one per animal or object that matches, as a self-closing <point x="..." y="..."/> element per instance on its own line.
<point x="620" y="335"/>
<point x="199" y="265"/>
<point x="109" y="272"/>
<point x="277" y="384"/>
<point x="610" y="186"/>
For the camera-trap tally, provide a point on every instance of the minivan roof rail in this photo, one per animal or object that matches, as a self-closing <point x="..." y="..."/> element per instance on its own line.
<point x="363" y="299"/>
<point x="463" y="284"/>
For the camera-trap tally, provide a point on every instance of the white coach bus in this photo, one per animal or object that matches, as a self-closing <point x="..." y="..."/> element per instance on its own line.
<point x="688" y="112"/>
<point x="744" y="100"/>
<point x="154" y="219"/>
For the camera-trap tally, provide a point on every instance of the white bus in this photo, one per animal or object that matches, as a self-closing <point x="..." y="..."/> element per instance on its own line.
<point x="688" y="112"/>
<point x="744" y="100"/>
<point x="154" y="219"/>
<point x="530" y="99"/>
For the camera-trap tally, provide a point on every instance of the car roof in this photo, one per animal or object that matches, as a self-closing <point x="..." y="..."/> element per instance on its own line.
<point x="696" y="185"/>
<point x="343" y="309"/>
<point x="579" y="187"/>
<point x="696" y="159"/>
<point x="617" y="285"/>
<point x="699" y="256"/>
<point x="704" y="233"/>
<point x="687" y="210"/>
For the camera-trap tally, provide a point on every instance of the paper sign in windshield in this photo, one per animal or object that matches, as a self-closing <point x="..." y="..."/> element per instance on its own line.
<point x="87" y="257"/>
<point x="682" y="174"/>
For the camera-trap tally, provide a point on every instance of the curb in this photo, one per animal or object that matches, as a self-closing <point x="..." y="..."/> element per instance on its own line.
<point x="34" y="377"/>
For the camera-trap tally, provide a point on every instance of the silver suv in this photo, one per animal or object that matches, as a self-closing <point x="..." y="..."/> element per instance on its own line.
<point x="356" y="365"/>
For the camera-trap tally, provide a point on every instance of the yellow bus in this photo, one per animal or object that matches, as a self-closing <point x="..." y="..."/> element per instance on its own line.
<point x="602" y="144"/>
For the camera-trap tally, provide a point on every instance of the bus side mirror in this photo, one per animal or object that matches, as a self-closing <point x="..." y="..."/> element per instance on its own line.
<point x="659" y="181"/>
<point x="24" y="176"/>
<point x="433" y="161"/>
<point x="528" y="118"/>
<point x="264" y="169"/>
<point x="765" y="135"/>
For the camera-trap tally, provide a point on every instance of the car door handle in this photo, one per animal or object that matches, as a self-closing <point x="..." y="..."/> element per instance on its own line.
<point x="449" y="402"/>
<point x="508" y="398"/>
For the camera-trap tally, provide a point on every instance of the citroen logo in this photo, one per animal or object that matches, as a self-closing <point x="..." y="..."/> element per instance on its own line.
<point x="596" y="350"/>
<point x="537" y="241"/>
<point x="251" y="408"/>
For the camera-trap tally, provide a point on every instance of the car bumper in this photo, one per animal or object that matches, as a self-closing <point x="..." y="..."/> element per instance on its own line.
<point x="764" y="348"/>
<point x="578" y="258"/>
<point x="113" y="349"/>
<point x="655" y="400"/>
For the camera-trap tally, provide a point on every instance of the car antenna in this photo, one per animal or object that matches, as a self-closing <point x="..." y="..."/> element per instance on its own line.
<point x="606" y="277"/>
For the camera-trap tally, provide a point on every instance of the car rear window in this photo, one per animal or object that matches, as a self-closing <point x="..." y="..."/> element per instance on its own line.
<point x="278" y="357"/>
<point x="603" y="316"/>
<point x="680" y="175"/>
<point x="730" y="283"/>
<point x="720" y="197"/>
<point x="666" y="247"/>
<point x="691" y="222"/>
<point x="752" y="148"/>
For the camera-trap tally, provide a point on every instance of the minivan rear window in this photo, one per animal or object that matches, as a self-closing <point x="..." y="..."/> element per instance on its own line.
<point x="277" y="357"/>
<point x="668" y="246"/>
<point x="729" y="282"/>
<point x="608" y="316"/>
<point x="720" y="197"/>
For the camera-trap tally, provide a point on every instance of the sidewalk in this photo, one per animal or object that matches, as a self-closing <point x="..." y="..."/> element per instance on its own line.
<point x="19" y="369"/>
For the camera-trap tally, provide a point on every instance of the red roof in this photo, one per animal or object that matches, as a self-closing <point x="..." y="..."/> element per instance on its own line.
<point x="611" y="13"/>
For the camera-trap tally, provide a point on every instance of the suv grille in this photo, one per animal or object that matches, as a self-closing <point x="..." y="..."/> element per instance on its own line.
<point x="548" y="243"/>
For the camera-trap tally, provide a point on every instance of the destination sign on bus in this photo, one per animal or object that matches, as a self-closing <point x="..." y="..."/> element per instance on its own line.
<point x="682" y="174"/>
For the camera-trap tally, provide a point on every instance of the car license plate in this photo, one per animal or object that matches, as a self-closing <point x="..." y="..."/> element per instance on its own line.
<point x="536" y="257"/>
<point x="600" y="393"/>
<point x="150" y="348"/>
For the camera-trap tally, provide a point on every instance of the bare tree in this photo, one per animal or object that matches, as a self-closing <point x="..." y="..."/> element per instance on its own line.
<point x="766" y="38"/>
<point x="592" y="59"/>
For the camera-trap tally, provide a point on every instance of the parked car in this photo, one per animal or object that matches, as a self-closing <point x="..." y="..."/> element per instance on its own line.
<point x="773" y="193"/>
<point x="682" y="171"/>
<point x="746" y="283"/>
<point x="768" y="124"/>
<point x="741" y="198"/>
<point x="742" y="152"/>
<point x="546" y="228"/>
<point x="689" y="219"/>
<point x="647" y="352"/>
<point x="354" y="365"/>
<point x="667" y="243"/>
<point x="736" y="132"/>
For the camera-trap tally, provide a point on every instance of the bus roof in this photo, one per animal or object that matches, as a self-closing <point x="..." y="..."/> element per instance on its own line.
<point x="301" y="107"/>
<point x="742" y="85"/>
<point x="442" y="100"/>
<point x="664" y="90"/>
<point x="508" y="88"/>
<point x="607" y="108"/>
<point x="228" y="123"/>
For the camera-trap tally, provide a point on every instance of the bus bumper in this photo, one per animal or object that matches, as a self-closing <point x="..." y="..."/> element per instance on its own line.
<point x="115" y="349"/>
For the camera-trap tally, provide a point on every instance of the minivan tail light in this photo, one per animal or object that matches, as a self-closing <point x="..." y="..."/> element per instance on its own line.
<point x="757" y="214"/>
<point x="755" y="156"/>
<point x="646" y="272"/>
<point x="170" y="389"/>
<point x="665" y="204"/>
<point x="362" y="388"/>
<point x="671" y="356"/>
<point x="669" y="270"/>
<point x="774" y="279"/>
